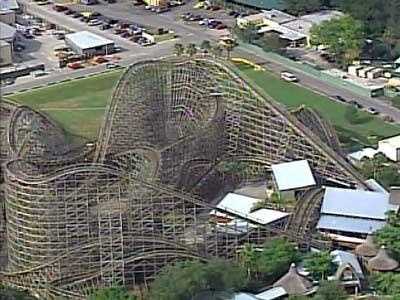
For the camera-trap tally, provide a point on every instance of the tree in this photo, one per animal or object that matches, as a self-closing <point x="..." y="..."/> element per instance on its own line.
<point x="275" y="258"/>
<point x="248" y="259"/>
<point x="270" y="42"/>
<point x="185" y="280"/>
<point x="330" y="290"/>
<point x="205" y="45"/>
<point x="389" y="234"/>
<point x="229" y="48"/>
<point x="217" y="50"/>
<point x="319" y="264"/>
<point x="178" y="49"/>
<point x="387" y="284"/>
<point x="298" y="297"/>
<point x="297" y="7"/>
<point x="8" y="293"/>
<point x="248" y="34"/>
<point x="115" y="293"/>
<point x="343" y="36"/>
<point x="191" y="50"/>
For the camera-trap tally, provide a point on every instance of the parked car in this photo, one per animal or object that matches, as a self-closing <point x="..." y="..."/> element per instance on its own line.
<point x="112" y="66"/>
<point x="290" y="77"/>
<point x="356" y="104"/>
<point x="94" y="22"/>
<point x="372" y="111"/>
<point x="69" y="12"/>
<point x="75" y="65"/>
<point x="221" y="26"/>
<point x="105" y="26"/>
<point x="76" y="15"/>
<point x="59" y="8"/>
<point x="339" y="98"/>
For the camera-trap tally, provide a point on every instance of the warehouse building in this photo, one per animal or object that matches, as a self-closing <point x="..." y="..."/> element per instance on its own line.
<point x="89" y="44"/>
<point x="5" y="54"/>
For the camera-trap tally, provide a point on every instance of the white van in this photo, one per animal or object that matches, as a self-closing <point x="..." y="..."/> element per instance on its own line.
<point x="288" y="77"/>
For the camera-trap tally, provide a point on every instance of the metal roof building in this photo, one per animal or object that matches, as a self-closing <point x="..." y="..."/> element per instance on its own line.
<point x="85" y="42"/>
<point x="9" y="5"/>
<point x="7" y="32"/>
<point x="354" y="211"/>
<point x="293" y="175"/>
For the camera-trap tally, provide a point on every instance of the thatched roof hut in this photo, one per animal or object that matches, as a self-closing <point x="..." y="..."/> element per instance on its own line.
<point x="368" y="248"/>
<point x="382" y="262"/>
<point x="294" y="283"/>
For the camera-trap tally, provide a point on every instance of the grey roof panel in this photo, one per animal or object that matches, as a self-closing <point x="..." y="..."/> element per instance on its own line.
<point x="347" y="224"/>
<point x="355" y="203"/>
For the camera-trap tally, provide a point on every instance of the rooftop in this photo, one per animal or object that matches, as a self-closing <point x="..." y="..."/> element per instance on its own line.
<point x="300" y="26"/>
<point x="393" y="141"/>
<point x="278" y="16"/>
<point x="293" y="175"/>
<point x="321" y="16"/>
<point x="366" y="152"/>
<point x="8" y="4"/>
<point x="272" y="293"/>
<point x="237" y="204"/>
<point x="294" y="283"/>
<point x="340" y="257"/>
<point x="355" y="203"/>
<point x="87" y="40"/>
<point x="348" y="224"/>
<point x="7" y="32"/>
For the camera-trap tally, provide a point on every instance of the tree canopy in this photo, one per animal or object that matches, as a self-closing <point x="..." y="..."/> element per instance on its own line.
<point x="319" y="264"/>
<point x="387" y="284"/>
<point x="381" y="169"/>
<point x="330" y="290"/>
<point x="343" y="37"/>
<point x="115" y="293"/>
<point x="185" y="280"/>
<point x="389" y="235"/>
<point x="297" y="7"/>
<point x="7" y="293"/>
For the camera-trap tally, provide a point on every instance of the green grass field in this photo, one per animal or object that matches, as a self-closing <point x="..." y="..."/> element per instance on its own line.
<point x="366" y="128"/>
<point x="79" y="105"/>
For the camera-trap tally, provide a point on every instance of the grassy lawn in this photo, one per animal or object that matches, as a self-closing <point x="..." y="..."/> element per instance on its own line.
<point x="363" y="127"/>
<point x="78" y="105"/>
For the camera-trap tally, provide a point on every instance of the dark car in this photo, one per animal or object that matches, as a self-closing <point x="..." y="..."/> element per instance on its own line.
<point x="340" y="98"/>
<point x="69" y="12"/>
<point x="76" y="15"/>
<point x="356" y="104"/>
<point x="105" y="26"/>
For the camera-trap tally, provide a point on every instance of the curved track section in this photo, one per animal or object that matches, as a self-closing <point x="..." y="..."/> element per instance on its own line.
<point x="319" y="126"/>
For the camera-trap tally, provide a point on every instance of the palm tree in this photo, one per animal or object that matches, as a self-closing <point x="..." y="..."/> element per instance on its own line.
<point x="178" y="49"/>
<point x="248" y="260"/>
<point x="206" y="46"/>
<point x="191" y="50"/>
<point x="217" y="50"/>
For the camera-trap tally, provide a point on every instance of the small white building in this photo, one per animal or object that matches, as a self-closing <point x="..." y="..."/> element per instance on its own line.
<point x="356" y="157"/>
<point x="293" y="175"/>
<point x="242" y="206"/>
<point x="87" y="43"/>
<point x="390" y="148"/>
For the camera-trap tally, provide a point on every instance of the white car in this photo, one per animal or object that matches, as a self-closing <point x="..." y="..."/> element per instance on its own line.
<point x="288" y="77"/>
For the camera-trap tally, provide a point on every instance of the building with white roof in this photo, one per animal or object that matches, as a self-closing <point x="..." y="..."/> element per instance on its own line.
<point x="7" y="33"/>
<point x="242" y="206"/>
<point x="293" y="175"/>
<point x="9" y="5"/>
<point x="272" y="294"/>
<point x="88" y="43"/>
<point x="390" y="147"/>
<point x="290" y="28"/>
<point x="353" y="212"/>
<point x="356" y="157"/>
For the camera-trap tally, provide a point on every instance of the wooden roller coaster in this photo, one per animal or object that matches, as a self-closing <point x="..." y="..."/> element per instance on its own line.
<point x="76" y="220"/>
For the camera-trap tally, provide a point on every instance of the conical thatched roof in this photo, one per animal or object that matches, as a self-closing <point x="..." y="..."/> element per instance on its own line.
<point x="368" y="248"/>
<point x="382" y="261"/>
<point x="294" y="283"/>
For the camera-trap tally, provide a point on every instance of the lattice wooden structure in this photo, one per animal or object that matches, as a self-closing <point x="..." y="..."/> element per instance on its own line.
<point x="76" y="220"/>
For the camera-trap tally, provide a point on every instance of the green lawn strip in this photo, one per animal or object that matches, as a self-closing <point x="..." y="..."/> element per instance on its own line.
<point x="292" y="96"/>
<point x="77" y="105"/>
